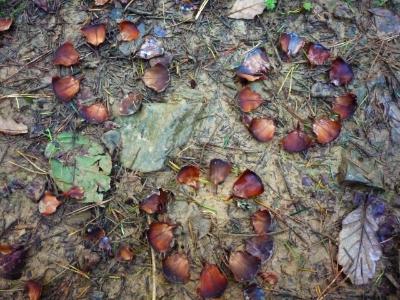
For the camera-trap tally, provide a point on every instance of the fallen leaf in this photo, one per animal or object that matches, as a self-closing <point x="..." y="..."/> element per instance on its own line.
<point x="341" y="72"/>
<point x="318" y="54"/>
<point x="249" y="100"/>
<point x="246" y="9"/>
<point x="48" y="204"/>
<point x="219" y="170"/>
<point x="291" y="43"/>
<point x="95" y="34"/>
<point x="176" y="268"/>
<point x="161" y="236"/>
<point x="34" y="289"/>
<point x="156" y="202"/>
<point x="254" y="66"/>
<point x="213" y="282"/>
<point x="296" y="141"/>
<point x="128" y="31"/>
<point x="262" y="129"/>
<point x="326" y="130"/>
<point x="76" y="160"/>
<point x="95" y="113"/>
<point x="11" y="264"/>
<point x="66" y="55"/>
<point x="5" y="24"/>
<point x="150" y="48"/>
<point x="345" y="105"/>
<point x="157" y="78"/>
<point x="190" y="176"/>
<point x="101" y="2"/>
<point x="125" y="253"/>
<point x="9" y="126"/>
<point x="244" y="266"/>
<point x="65" y="88"/>
<point x="359" y="248"/>
<point x="248" y="185"/>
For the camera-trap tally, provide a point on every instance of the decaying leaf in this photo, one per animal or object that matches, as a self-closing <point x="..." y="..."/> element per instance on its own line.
<point x="246" y="9"/>
<point x="5" y="24"/>
<point x="76" y="160"/>
<point x="359" y="248"/>
<point x="157" y="78"/>
<point x="9" y="126"/>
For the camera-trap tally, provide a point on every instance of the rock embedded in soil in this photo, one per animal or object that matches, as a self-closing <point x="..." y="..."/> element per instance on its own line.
<point x="320" y="89"/>
<point x="149" y="136"/>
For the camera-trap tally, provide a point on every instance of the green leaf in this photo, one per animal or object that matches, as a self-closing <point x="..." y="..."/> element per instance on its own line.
<point x="270" y="4"/>
<point x="307" y="6"/>
<point x="75" y="160"/>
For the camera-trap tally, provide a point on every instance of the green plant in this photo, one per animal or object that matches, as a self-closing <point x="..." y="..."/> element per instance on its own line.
<point x="307" y="5"/>
<point x="270" y="4"/>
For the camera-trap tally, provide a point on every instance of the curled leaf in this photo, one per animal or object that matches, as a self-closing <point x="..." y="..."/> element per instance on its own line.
<point x="176" y="268"/>
<point x="341" y="72"/>
<point x="156" y="202"/>
<point x="345" y="105"/>
<point x="219" y="170"/>
<point x="262" y="129"/>
<point x="270" y="277"/>
<point x="296" y="141"/>
<point x="65" y="88"/>
<point x="359" y="248"/>
<point x="291" y="43"/>
<point x="326" y="130"/>
<point x="34" y="289"/>
<point x="48" y="204"/>
<point x="128" y="31"/>
<point x="254" y="66"/>
<point x="5" y="24"/>
<point x="244" y="266"/>
<point x="95" y="34"/>
<point x="318" y="54"/>
<point x="189" y="175"/>
<point x="11" y="264"/>
<point x="150" y="48"/>
<point x="262" y="221"/>
<point x="249" y="100"/>
<point x="125" y="253"/>
<point x="75" y="192"/>
<point x="260" y="246"/>
<point x="248" y="185"/>
<point x="161" y="236"/>
<point x="95" y="113"/>
<point x="66" y="55"/>
<point x="157" y="78"/>
<point x="213" y="282"/>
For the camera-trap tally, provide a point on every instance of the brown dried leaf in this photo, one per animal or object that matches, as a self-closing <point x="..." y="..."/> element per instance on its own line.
<point x="95" y="34"/>
<point x="9" y="126"/>
<point x="246" y="9"/>
<point x="5" y="24"/>
<point x="157" y="78"/>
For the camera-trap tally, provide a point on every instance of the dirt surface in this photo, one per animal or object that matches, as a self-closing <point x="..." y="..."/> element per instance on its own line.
<point x="303" y="191"/>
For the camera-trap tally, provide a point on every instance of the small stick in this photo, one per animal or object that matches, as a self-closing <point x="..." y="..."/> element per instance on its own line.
<point x="202" y="6"/>
<point x="153" y="264"/>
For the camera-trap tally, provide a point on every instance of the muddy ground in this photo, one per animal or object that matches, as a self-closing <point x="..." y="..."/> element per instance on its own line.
<point x="303" y="190"/>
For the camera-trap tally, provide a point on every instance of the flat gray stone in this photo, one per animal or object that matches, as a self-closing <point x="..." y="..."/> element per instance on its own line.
<point x="149" y="136"/>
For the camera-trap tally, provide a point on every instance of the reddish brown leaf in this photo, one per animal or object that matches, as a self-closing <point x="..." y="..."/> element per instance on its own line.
<point x="341" y="72"/>
<point x="34" y="289"/>
<point x="318" y="54"/>
<point x="65" y="88"/>
<point x="249" y="100"/>
<point x="254" y="66"/>
<point x="213" y="282"/>
<point x="270" y="277"/>
<point x="66" y="55"/>
<point x="5" y="24"/>
<point x="291" y="43"/>
<point x="95" y="114"/>
<point x="11" y="264"/>
<point x="262" y="221"/>
<point x="95" y="34"/>
<point x="128" y="31"/>
<point x="176" y="268"/>
<point x="161" y="236"/>
<point x="248" y="185"/>
<point x="125" y="253"/>
<point x="48" y="204"/>
<point x="75" y="192"/>
<point x="156" y="202"/>
<point x="189" y="175"/>
<point x="130" y="104"/>
<point x="5" y="249"/>
<point x="101" y="2"/>
<point x="150" y="48"/>
<point x="296" y="141"/>
<point x="157" y="78"/>
<point x="244" y="266"/>
<point x="262" y="129"/>
<point x="260" y="246"/>
<point x="326" y="130"/>
<point x="219" y="170"/>
<point x="94" y="233"/>
<point x="345" y="105"/>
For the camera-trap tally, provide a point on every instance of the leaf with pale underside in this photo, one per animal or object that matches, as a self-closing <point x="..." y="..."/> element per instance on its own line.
<point x="246" y="9"/>
<point x="9" y="126"/>
<point x="359" y="248"/>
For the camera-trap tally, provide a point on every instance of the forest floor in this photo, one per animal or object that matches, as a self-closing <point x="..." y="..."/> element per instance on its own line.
<point x="305" y="192"/>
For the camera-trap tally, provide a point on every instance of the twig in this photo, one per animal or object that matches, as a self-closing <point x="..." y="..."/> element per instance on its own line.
<point x="202" y="6"/>
<point x="154" y="270"/>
